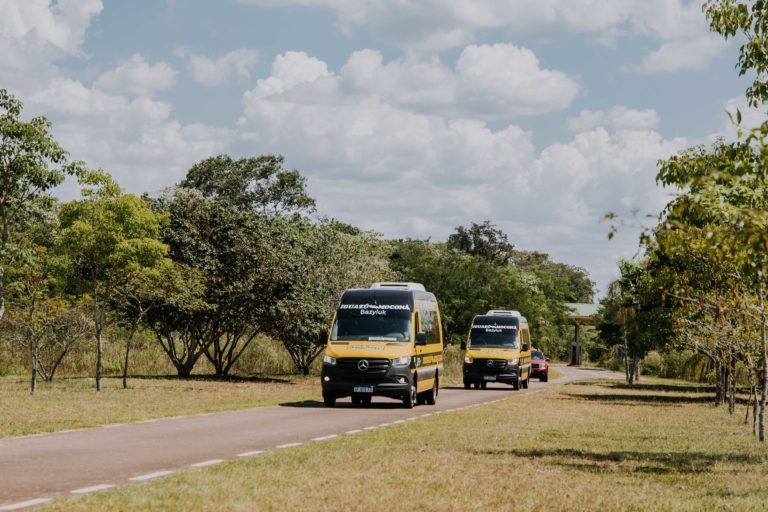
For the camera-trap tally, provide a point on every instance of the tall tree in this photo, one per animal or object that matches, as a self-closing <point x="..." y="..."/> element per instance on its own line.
<point x="326" y="259"/>
<point x="106" y="234"/>
<point x="232" y="221"/>
<point x="31" y="163"/>
<point x="484" y="240"/>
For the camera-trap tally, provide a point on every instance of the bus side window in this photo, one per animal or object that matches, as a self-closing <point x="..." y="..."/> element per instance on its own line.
<point x="526" y="340"/>
<point x="429" y="325"/>
<point x="416" y="324"/>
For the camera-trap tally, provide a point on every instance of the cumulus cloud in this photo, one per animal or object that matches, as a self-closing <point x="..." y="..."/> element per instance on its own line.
<point x="489" y="82"/>
<point x="375" y="160"/>
<point x="435" y="25"/>
<point x="212" y="71"/>
<point x="617" y="118"/>
<point x="115" y="123"/>
<point x="137" y="77"/>
<point x="680" y="55"/>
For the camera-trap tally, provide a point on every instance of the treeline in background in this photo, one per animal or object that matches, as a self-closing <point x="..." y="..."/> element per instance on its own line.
<point x="232" y="270"/>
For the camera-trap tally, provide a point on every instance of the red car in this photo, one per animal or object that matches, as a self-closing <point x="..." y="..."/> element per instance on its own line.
<point x="539" y="365"/>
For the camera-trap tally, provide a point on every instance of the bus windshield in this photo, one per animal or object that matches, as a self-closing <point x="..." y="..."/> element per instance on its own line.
<point x="351" y="325"/>
<point x="493" y="335"/>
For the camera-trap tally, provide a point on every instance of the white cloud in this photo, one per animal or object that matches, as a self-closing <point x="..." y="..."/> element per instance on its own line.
<point x="489" y="81"/>
<point x="681" y="55"/>
<point x="236" y="64"/>
<point x="137" y="77"/>
<point x="116" y="124"/>
<point x="507" y="79"/>
<point x="617" y="118"/>
<point x="430" y="26"/>
<point x="376" y="161"/>
<point x="32" y="22"/>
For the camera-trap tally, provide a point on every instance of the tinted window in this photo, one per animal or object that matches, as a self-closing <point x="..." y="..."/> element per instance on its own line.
<point x="537" y="355"/>
<point x="372" y="323"/>
<point x="429" y="326"/>
<point x="494" y="331"/>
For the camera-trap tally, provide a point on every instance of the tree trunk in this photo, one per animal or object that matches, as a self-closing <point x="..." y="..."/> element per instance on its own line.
<point x="718" y="382"/>
<point x="99" y="347"/>
<point x="2" y="292"/>
<point x="764" y="391"/>
<point x="754" y="409"/>
<point x="134" y="326"/>
<point x="33" y="384"/>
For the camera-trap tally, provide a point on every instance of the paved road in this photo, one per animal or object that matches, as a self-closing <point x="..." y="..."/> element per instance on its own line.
<point x="33" y="469"/>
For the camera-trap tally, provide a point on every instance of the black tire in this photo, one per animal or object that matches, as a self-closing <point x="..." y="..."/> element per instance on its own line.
<point x="329" y="400"/>
<point x="544" y="378"/>
<point x="357" y="400"/>
<point x="430" y="397"/>
<point x="477" y="384"/>
<point x="516" y="384"/>
<point x="483" y="385"/>
<point x="409" y="400"/>
<point x="366" y="400"/>
<point x="525" y="382"/>
<point x="467" y="384"/>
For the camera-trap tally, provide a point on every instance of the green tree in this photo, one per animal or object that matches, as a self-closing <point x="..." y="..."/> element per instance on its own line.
<point x="105" y="235"/>
<point x="233" y="221"/>
<point x="327" y="258"/>
<point x="749" y="20"/>
<point x="484" y="240"/>
<point x="31" y="163"/>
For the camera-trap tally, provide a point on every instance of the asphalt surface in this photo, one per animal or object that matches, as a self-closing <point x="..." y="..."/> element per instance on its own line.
<point x="34" y="469"/>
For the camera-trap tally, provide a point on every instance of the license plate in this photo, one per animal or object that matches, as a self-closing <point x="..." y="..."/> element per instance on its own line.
<point x="363" y="389"/>
<point x="489" y="377"/>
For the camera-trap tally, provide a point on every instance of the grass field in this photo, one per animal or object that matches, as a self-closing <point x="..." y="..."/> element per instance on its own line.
<point x="74" y="403"/>
<point x="595" y="446"/>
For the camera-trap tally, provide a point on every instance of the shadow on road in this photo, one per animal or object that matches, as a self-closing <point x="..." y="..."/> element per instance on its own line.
<point x="344" y="404"/>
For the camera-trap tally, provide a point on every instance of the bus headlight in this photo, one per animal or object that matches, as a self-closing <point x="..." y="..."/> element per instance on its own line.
<point x="514" y="361"/>
<point x="402" y="361"/>
<point x="468" y="359"/>
<point x="329" y="360"/>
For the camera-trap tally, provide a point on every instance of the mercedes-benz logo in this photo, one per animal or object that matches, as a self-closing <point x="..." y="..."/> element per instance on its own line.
<point x="489" y="363"/>
<point x="362" y="365"/>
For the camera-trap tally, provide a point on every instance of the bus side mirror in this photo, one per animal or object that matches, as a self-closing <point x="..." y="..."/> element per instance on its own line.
<point x="463" y="345"/>
<point x="525" y="347"/>
<point x="421" y="338"/>
<point x="322" y="337"/>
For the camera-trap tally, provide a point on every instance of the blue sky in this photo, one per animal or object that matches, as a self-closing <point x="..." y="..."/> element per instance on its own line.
<point x="408" y="117"/>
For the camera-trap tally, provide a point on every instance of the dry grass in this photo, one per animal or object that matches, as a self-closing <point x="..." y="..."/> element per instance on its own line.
<point x="596" y="446"/>
<point x="74" y="403"/>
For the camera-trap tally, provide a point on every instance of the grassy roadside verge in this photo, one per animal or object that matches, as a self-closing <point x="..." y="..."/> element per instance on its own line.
<point x="73" y="402"/>
<point x="576" y="447"/>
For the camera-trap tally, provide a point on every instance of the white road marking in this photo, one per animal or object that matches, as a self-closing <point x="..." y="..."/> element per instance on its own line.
<point x="287" y="445"/>
<point x="385" y="424"/>
<point x="25" y="504"/>
<point x="93" y="488"/>
<point x="250" y="454"/>
<point x="398" y="421"/>
<point x="353" y="432"/>
<point x="426" y="415"/>
<point x="150" y="476"/>
<point x="412" y="418"/>
<point x="207" y="463"/>
<point x="325" y="438"/>
<point x="373" y="427"/>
